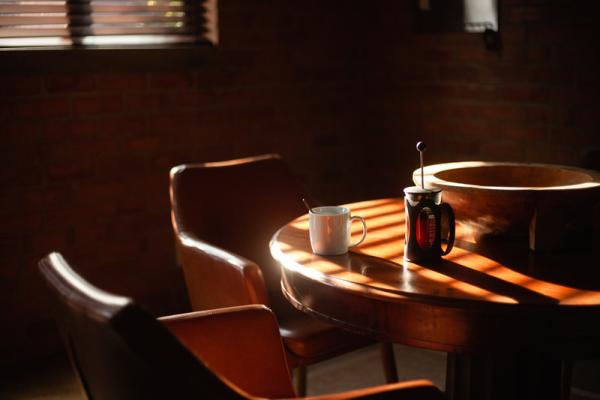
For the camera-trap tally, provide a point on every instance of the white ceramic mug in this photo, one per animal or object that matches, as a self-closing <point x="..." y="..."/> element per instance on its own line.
<point x="330" y="230"/>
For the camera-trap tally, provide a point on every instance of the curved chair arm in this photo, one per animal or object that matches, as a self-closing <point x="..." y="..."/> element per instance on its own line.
<point x="241" y="344"/>
<point x="409" y="390"/>
<point x="216" y="278"/>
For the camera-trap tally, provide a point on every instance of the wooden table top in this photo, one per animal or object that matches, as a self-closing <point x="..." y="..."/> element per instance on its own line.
<point x="491" y="271"/>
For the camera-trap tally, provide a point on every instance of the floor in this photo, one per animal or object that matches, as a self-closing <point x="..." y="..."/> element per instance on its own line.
<point x="52" y="378"/>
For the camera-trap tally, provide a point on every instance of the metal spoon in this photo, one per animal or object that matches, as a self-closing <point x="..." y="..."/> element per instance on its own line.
<point x="306" y="204"/>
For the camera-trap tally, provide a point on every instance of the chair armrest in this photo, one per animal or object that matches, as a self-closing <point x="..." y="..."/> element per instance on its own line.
<point x="216" y="278"/>
<point x="409" y="390"/>
<point x="241" y="344"/>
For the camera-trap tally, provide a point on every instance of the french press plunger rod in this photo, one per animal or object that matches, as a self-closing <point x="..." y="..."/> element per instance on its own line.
<point x="421" y="147"/>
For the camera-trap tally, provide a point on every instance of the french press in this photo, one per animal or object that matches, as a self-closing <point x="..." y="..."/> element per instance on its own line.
<point x="423" y="210"/>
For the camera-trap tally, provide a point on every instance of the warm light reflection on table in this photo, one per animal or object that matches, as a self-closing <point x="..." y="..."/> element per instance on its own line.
<point x="485" y="279"/>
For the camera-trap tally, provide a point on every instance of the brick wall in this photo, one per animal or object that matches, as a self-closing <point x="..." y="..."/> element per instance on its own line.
<point x="341" y="89"/>
<point x="536" y="100"/>
<point x="85" y="158"/>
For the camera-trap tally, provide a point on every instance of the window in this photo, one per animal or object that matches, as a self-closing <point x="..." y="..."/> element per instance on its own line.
<point x="101" y="23"/>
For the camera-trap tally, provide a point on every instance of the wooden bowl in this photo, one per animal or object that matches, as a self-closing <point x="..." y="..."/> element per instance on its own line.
<point x="506" y="197"/>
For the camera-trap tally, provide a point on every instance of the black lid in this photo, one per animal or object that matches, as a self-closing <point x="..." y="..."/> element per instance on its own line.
<point x="420" y="190"/>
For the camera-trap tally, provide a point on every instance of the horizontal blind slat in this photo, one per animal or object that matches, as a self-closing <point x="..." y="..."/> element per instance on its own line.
<point x="90" y="9"/>
<point x="97" y="18"/>
<point x="76" y="19"/>
<point x="99" y="30"/>
<point x="98" y="6"/>
<point x="99" y="40"/>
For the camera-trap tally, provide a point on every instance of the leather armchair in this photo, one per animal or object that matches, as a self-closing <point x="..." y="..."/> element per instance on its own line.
<point x="230" y="210"/>
<point x="120" y="352"/>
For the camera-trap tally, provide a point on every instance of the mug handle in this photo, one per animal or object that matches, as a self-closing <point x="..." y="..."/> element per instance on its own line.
<point x="450" y="212"/>
<point x="364" y="232"/>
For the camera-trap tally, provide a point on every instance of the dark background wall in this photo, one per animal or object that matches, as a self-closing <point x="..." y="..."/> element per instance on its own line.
<point x="535" y="100"/>
<point x="341" y="89"/>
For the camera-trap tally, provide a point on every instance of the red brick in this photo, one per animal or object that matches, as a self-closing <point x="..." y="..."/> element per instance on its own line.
<point x="146" y="145"/>
<point x="180" y="123"/>
<point x="501" y="73"/>
<point x="20" y="85"/>
<point x="26" y="108"/>
<point x="452" y="110"/>
<point x="19" y="133"/>
<point x="54" y="107"/>
<point x="513" y="34"/>
<point x="94" y="105"/>
<point x="527" y="114"/>
<point x="563" y="116"/>
<point x="461" y="128"/>
<point x="98" y="195"/>
<point x="114" y="166"/>
<point x="458" y="72"/>
<point x="523" y="93"/>
<point x="69" y="149"/>
<point x="188" y="100"/>
<point x="503" y="151"/>
<point x="42" y="243"/>
<point x="9" y="262"/>
<point x="42" y="200"/>
<point x="570" y="94"/>
<point x="455" y="146"/>
<point x="45" y="107"/>
<point x="542" y="34"/>
<point x="10" y="246"/>
<point x="448" y="38"/>
<point x="142" y="102"/>
<point x="458" y="54"/>
<point x="69" y="83"/>
<point x="67" y="170"/>
<point x="588" y="79"/>
<point x="172" y="81"/>
<point x="57" y="130"/>
<point x="10" y="200"/>
<point x="18" y="168"/>
<point x="574" y="137"/>
<point x="74" y="217"/>
<point x="524" y="14"/>
<point x="551" y="153"/>
<point x="121" y="125"/>
<point x="6" y="109"/>
<point x="22" y="223"/>
<point x="122" y="82"/>
<point x="526" y="54"/>
<point x="70" y="159"/>
<point x="524" y="133"/>
<point x="552" y="75"/>
<point x="107" y="147"/>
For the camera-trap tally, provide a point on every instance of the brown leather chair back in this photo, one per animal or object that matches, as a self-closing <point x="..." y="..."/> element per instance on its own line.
<point x="119" y="351"/>
<point x="238" y="205"/>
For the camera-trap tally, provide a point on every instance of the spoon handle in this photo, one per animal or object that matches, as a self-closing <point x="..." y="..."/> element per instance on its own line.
<point x="308" y="208"/>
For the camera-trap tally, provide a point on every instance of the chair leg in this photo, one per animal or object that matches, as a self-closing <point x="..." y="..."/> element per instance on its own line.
<point x="567" y="378"/>
<point x="300" y="380"/>
<point x="389" y="362"/>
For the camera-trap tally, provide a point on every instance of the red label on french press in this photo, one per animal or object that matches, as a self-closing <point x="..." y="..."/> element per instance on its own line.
<point x="425" y="229"/>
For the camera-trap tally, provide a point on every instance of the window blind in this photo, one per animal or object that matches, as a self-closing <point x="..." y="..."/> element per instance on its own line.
<point x="90" y="23"/>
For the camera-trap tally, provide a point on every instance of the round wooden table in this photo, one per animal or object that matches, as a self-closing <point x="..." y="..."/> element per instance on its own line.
<point x="507" y="317"/>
